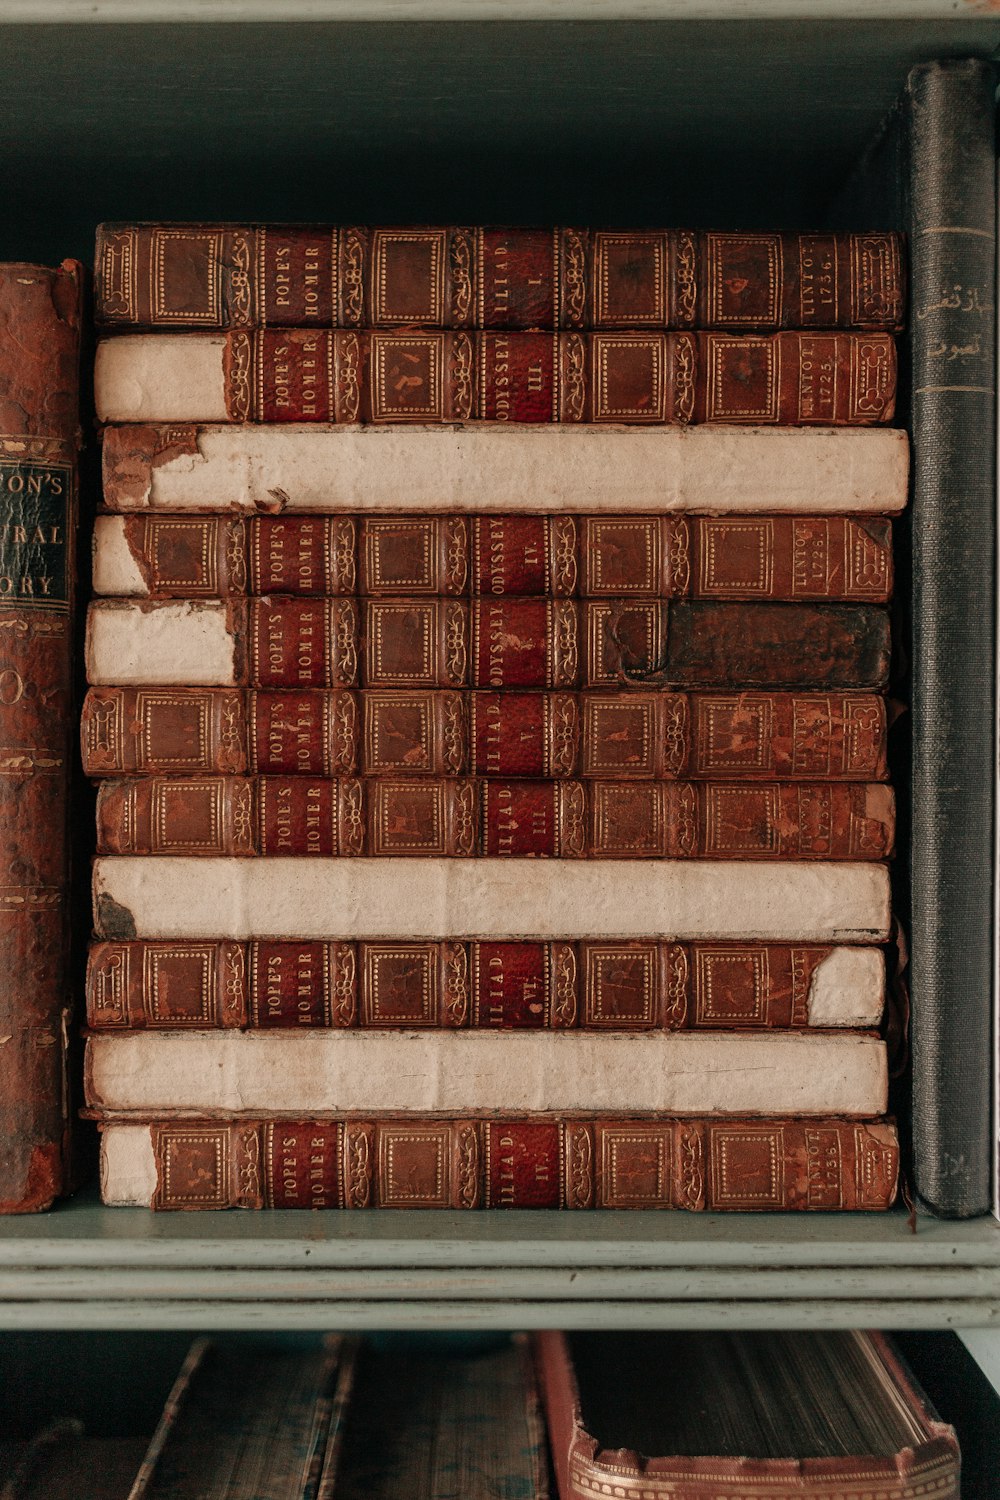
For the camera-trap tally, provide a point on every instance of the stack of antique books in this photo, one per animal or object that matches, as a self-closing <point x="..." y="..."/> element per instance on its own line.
<point x="487" y="699"/>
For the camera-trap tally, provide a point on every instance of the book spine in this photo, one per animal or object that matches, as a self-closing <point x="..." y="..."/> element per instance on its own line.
<point x="498" y="986"/>
<point x="594" y="557"/>
<point x="542" y="469"/>
<point x="419" y="1161"/>
<point x="228" y="276"/>
<point x="310" y="375"/>
<point x="40" y="313"/>
<point x="486" y="643"/>
<point x="784" y="901"/>
<point x="953" y="191"/>
<point x="661" y="735"/>
<point x="405" y="816"/>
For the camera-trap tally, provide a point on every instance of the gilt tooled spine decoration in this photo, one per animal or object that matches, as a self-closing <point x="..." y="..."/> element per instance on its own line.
<point x="455" y="644"/>
<point x="241" y="310"/>
<point x="351" y="818"/>
<point x="563" y="984"/>
<point x="563" y="734"/>
<point x="456" y="555"/>
<point x="685" y="367"/>
<point x="352" y="278"/>
<point x="574" y="280"/>
<point x="241" y="368"/>
<point x="344" y="621"/>
<point x="563" y="566"/>
<point x="679" y="557"/>
<point x="677" y="986"/>
<point x="342" y="985"/>
<point x="453" y="735"/>
<point x="469" y="1175"/>
<point x="462" y="381"/>
<point x="344" y="735"/>
<point x="685" y="281"/>
<point x="343" y="551"/>
<point x="563" y="635"/>
<point x="234" y="994"/>
<point x="573" y="403"/>
<point x="357" y="1168"/>
<point x="675" y="733"/>
<point x="579" y="1166"/>
<point x="461" y="256"/>
<point x="572" y="820"/>
<point x="456" y="984"/>
<point x="348" y="357"/>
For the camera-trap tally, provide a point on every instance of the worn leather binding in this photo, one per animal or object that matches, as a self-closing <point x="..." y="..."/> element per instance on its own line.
<point x="215" y="816"/>
<point x="502" y="986"/>
<point x="953" y="192"/>
<point x="594" y="557"/>
<point x="487" y="643"/>
<point x="654" y="735"/>
<point x="622" y="1161"/>
<point x="589" y="1413"/>
<point x="39" y="435"/>
<point x="309" y="375"/>
<point x="233" y="276"/>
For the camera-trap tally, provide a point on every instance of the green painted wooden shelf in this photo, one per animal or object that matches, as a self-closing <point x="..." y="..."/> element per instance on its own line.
<point x="84" y="1266"/>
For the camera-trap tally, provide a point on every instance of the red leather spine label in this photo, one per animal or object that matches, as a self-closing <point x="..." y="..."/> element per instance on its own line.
<point x="303" y="643"/>
<point x="296" y="277"/>
<point x="798" y="379"/>
<point x="620" y="1161"/>
<point x="217" y="816"/>
<point x="517" y="278"/>
<point x="630" y="733"/>
<point x="598" y="557"/>
<point x="40" y="315"/>
<point x="511" y="642"/>
<point x="302" y="1164"/>
<point x="636" y="985"/>
<point x="523" y="1167"/>
<point x="219" y="276"/>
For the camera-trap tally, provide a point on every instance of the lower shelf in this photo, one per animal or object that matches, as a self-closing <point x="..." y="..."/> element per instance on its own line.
<point x="89" y="1267"/>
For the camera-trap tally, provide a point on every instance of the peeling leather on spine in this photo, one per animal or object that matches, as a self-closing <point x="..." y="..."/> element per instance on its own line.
<point x="131" y="453"/>
<point x="133" y="529"/>
<point x="113" y="919"/>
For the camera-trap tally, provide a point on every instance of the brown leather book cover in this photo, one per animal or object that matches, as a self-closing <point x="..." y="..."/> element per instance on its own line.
<point x="498" y="986"/>
<point x="208" y="276"/>
<point x="835" y="1415"/>
<point x="312" y="375"/>
<point x="216" y="816"/>
<point x="646" y="735"/>
<point x="486" y="643"/>
<point x="39" y="437"/>
<point x="594" y="557"/>
<point x="540" y="1161"/>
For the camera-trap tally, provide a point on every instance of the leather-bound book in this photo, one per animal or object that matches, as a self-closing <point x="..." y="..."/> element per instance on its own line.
<point x="39" y="437"/>
<point x="160" y="1074"/>
<point x="176" y="897"/>
<point x="354" y="276"/>
<point x="695" y="1416"/>
<point x="237" y="816"/>
<point x="592" y="557"/>
<point x="646" y="735"/>
<point x="311" y="375"/>
<point x="542" y="468"/>
<point x="541" y="1161"/>
<point x="491" y="986"/>
<point x="485" y="643"/>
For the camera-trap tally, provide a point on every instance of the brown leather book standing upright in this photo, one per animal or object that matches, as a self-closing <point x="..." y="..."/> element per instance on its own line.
<point x="39" y="422"/>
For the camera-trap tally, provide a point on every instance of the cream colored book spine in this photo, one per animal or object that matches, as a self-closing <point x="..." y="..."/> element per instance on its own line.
<point x="543" y="469"/>
<point x="156" y="896"/>
<point x="681" y="1073"/>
